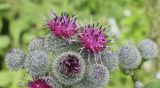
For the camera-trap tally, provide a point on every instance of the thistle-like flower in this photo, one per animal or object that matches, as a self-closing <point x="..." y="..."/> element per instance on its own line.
<point x="38" y="83"/>
<point x="110" y="59"/>
<point x="129" y="56"/>
<point x="62" y="26"/>
<point x="97" y="74"/>
<point x="15" y="59"/>
<point x="148" y="49"/>
<point x="36" y="44"/>
<point x="93" y="39"/>
<point x="43" y="82"/>
<point x="37" y="63"/>
<point x="69" y="68"/>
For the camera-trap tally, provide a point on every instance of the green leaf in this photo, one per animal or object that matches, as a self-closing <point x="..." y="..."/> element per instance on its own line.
<point x="5" y="78"/>
<point x="4" y="6"/>
<point x="16" y="28"/>
<point x="4" y="42"/>
<point x="153" y="84"/>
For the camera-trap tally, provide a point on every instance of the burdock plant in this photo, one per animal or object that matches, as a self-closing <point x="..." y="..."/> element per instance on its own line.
<point x="74" y="56"/>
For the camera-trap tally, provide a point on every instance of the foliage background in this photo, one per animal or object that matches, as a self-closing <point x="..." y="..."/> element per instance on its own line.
<point x="21" y="20"/>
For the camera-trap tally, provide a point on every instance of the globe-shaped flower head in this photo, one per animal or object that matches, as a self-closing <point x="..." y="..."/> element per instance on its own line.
<point x="110" y="59"/>
<point x="36" y="43"/>
<point x="93" y="39"/>
<point x="15" y="59"/>
<point x="97" y="74"/>
<point x="148" y="49"/>
<point x="69" y="68"/>
<point x="62" y="26"/>
<point x="129" y="56"/>
<point x="37" y="63"/>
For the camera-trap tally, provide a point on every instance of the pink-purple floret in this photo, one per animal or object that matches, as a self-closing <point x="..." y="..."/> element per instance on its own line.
<point x="63" y="26"/>
<point x="38" y="83"/>
<point x="93" y="39"/>
<point x="71" y="65"/>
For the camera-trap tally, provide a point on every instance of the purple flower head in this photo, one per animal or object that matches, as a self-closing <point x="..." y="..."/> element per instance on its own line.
<point x="71" y="65"/>
<point x="38" y="83"/>
<point x="93" y="39"/>
<point x="63" y="26"/>
<point x="69" y="68"/>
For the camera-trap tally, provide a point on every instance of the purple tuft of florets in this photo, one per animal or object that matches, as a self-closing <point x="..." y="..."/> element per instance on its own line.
<point x="38" y="83"/>
<point x="71" y="65"/>
<point x="69" y="68"/>
<point x="63" y="26"/>
<point x="93" y="39"/>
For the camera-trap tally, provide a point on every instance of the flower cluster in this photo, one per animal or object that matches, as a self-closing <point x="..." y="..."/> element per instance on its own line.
<point x="131" y="56"/>
<point x="74" y="56"/>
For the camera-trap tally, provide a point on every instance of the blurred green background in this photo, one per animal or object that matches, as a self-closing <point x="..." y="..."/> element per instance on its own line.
<point x="134" y="20"/>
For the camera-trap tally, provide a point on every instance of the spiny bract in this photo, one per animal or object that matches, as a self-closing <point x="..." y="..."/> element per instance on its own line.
<point x="54" y="44"/>
<point x="110" y="59"/>
<point x="58" y="45"/>
<point x="85" y="84"/>
<point x="129" y="56"/>
<point x="37" y="63"/>
<point x="97" y="74"/>
<point x="36" y="43"/>
<point x="15" y="59"/>
<point x="148" y="49"/>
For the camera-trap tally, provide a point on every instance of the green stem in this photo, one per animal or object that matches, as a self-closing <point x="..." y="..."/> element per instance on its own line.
<point x="135" y="76"/>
